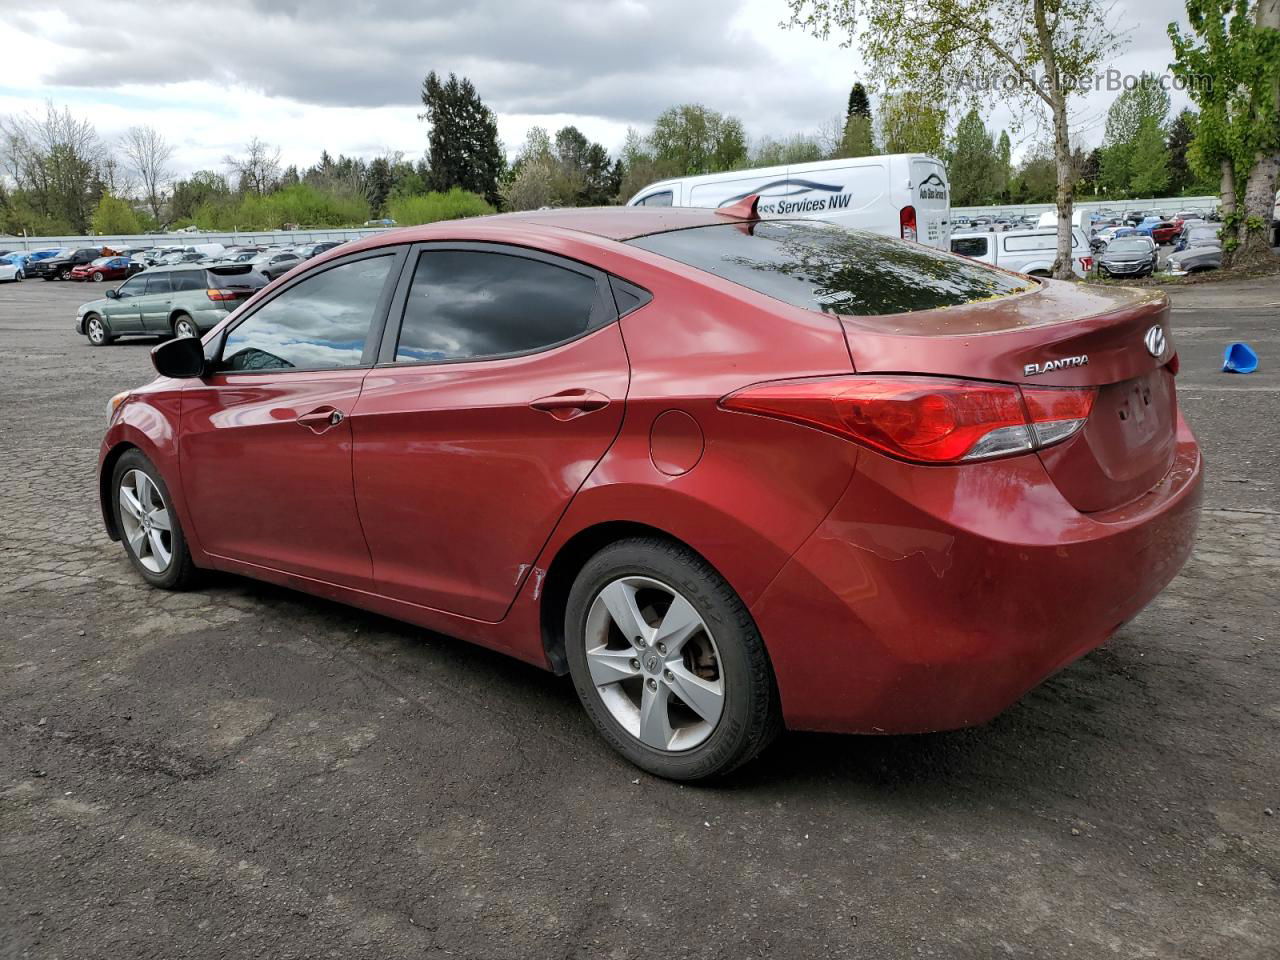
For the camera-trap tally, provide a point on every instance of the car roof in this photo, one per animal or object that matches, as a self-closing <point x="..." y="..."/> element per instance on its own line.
<point x="611" y="223"/>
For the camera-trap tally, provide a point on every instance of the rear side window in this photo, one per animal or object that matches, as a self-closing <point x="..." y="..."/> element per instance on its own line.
<point x="661" y="199"/>
<point x="188" y="280"/>
<point x="830" y="269"/>
<point x="157" y="282"/>
<point x="1038" y="241"/>
<point x="469" y="304"/>
<point x="969" y="246"/>
<point x="319" y="323"/>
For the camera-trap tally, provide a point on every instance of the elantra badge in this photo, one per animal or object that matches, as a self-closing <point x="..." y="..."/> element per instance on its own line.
<point x="1155" y="341"/>
<point x="1034" y="369"/>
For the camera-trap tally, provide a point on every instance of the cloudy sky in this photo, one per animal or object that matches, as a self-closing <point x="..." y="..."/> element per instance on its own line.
<point x="345" y="74"/>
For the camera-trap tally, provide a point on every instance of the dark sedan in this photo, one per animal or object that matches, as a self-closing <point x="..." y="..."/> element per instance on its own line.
<point x="1128" y="257"/>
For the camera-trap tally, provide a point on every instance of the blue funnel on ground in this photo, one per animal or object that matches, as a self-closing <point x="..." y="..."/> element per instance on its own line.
<point x="1239" y="358"/>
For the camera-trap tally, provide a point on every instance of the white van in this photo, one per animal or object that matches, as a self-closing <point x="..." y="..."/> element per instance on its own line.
<point x="899" y="195"/>
<point x="1024" y="251"/>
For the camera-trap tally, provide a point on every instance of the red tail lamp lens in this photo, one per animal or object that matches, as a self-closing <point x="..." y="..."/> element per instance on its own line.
<point x="924" y="419"/>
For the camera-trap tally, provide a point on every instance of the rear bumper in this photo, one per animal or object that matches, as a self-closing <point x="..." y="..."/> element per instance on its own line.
<point x="933" y="597"/>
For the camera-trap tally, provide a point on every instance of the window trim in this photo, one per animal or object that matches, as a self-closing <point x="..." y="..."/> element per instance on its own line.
<point x="377" y="324"/>
<point x="395" y="316"/>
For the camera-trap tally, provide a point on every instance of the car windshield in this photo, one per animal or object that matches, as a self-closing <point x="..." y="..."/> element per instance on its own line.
<point x="102" y="261"/>
<point x="829" y="269"/>
<point x="1129" y="245"/>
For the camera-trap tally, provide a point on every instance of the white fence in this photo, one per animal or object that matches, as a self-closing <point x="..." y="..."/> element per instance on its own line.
<point x="232" y="239"/>
<point x="1165" y="206"/>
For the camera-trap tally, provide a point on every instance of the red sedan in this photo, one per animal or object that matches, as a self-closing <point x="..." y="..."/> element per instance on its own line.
<point x="106" y="268"/>
<point x="730" y="474"/>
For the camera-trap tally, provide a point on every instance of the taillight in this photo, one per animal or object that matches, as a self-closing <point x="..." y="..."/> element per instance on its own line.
<point x="1086" y="264"/>
<point x="907" y="221"/>
<point x="925" y="419"/>
<point x="222" y="295"/>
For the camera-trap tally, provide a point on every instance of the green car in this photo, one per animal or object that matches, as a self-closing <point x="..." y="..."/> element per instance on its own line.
<point x="183" y="300"/>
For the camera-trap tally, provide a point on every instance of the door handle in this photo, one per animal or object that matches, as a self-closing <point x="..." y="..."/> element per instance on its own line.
<point x="571" y="403"/>
<point x="321" y="419"/>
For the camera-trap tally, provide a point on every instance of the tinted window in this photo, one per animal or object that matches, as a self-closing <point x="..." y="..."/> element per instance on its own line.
<point x="133" y="286"/>
<point x="830" y="269"/>
<point x="662" y="199"/>
<point x="1039" y="241"/>
<point x="320" y="322"/>
<point x="464" y="304"/>
<point x="157" y="282"/>
<point x="188" y="280"/>
<point x="969" y="246"/>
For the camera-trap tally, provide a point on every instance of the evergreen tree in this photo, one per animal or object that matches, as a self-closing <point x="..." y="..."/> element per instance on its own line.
<point x="463" y="146"/>
<point x="1004" y="165"/>
<point x="1150" y="160"/>
<point x="973" y="162"/>
<point x="858" y="139"/>
<point x="1140" y="107"/>
<point x="859" y="104"/>
<point x="1181" y="133"/>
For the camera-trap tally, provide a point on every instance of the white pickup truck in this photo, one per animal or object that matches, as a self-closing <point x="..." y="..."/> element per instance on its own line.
<point x="1024" y="251"/>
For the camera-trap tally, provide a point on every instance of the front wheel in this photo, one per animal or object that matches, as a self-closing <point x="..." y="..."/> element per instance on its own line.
<point x="95" y="328"/>
<point x="64" y="273"/>
<point x="668" y="662"/>
<point x="148" y="525"/>
<point x="97" y="276"/>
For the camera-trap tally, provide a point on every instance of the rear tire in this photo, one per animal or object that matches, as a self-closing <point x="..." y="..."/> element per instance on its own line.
<point x="696" y="708"/>
<point x="184" y="326"/>
<point x="149" y="527"/>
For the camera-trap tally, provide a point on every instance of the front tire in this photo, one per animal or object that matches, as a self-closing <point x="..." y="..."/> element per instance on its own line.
<point x="95" y="328"/>
<point x="64" y="273"/>
<point x="149" y="526"/>
<point x="667" y="661"/>
<point x="97" y="276"/>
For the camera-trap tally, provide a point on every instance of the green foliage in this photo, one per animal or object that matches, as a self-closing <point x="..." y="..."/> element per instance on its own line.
<point x="800" y="148"/>
<point x="570" y="172"/>
<point x="858" y="139"/>
<point x="691" y="139"/>
<point x="1036" y="180"/>
<point x="911" y="123"/>
<point x="859" y="103"/>
<point x="449" y="205"/>
<point x="1137" y="112"/>
<point x="202" y="187"/>
<point x="1181" y="133"/>
<point x="301" y="204"/>
<point x="463" y="142"/>
<point x="972" y="163"/>
<point x="115" y="216"/>
<point x="1150" y="159"/>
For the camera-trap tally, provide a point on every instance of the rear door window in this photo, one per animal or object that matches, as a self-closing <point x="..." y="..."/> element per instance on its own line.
<point x="471" y="304"/>
<point x="157" y="283"/>
<point x="660" y="199"/>
<point x="830" y="269"/>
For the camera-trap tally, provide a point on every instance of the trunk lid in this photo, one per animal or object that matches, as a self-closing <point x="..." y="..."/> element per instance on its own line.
<point x="1056" y="334"/>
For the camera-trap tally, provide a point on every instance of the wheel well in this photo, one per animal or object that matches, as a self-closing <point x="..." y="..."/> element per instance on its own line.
<point x="104" y="486"/>
<point x="173" y="317"/>
<point x="564" y="569"/>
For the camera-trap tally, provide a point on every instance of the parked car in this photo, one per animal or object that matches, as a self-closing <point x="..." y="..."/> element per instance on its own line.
<point x="1161" y="231"/>
<point x="180" y="256"/>
<point x="1129" y="257"/>
<point x="9" y="271"/>
<point x="716" y="527"/>
<point x="184" y="301"/>
<point x="60" y="265"/>
<point x="1197" y="235"/>
<point x="384" y="222"/>
<point x="275" y="264"/>
<point x="1194" y="260"/>
<point x="309" y="250"/>
<point x="106" y="268"/>
<point x="1024" y="251"/>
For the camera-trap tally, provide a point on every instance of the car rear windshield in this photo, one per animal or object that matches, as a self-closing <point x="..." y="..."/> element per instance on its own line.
<point x="830" y="269"/>
<point x="1128" y="245"/>
<point x="234" y="276"/>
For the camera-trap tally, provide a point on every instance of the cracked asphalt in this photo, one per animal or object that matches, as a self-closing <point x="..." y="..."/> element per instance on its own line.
<point x="243" y="771"/>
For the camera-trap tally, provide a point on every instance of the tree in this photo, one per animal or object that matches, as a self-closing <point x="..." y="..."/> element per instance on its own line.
<point x="1181" y="133"/>
<point x="150" y="156"/>
<point x="691" y="139"/>
<point x="1235" y="46"/>
<point x="859" y="104"/>
<point x="258" y="169"/>
<point x="799" y="148"/>
<point x="1036" y="180"/>
<point x="1004" y="165"/>
<point x="858" y="139"/>
<point x="944" y="48"/>
<point x="972" y="166"/>
<point x="1150" y="160"/>
<point x="1141" y="107"/>
<point x="639" y="166"/>
<point x="202" y="187"/>
<point x="910" y="123"/>
<point x="462" y="145"/>
<point x="55" y="161"/>
<point x="1090" y="171"/>
<point x="114" y="216"/>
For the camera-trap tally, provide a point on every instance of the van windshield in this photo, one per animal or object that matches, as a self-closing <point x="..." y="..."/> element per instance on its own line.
<point x="830" y="269"/>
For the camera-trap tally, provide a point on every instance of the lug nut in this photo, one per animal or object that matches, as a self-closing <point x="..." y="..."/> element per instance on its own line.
<point x="635" y="664"/>
<point x="668" y="676"/>
<point x="662" y="648"/>
<point x="652" y="683"/>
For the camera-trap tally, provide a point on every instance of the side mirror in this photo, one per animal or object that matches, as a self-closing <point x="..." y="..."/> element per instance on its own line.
<point x="113" y="295"/>
<point x="180" y="358"/>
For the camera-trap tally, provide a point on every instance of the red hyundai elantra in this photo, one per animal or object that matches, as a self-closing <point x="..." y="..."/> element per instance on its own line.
<point x="730" y="474"/>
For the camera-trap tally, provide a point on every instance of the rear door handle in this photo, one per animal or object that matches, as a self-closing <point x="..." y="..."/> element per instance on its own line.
<point x="321" y="419"/>
<point x="571" y="403"/>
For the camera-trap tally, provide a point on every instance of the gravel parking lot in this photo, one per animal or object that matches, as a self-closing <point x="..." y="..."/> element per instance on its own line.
<point x="247" y="771"/>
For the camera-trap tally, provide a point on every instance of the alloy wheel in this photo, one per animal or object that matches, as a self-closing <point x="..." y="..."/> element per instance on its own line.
<point x="654" y="663"/>
<point x="185" y="328"/>
<point x="97" y="276"/>
<point x="145" y="518"/>
<point x="97" y="333"/>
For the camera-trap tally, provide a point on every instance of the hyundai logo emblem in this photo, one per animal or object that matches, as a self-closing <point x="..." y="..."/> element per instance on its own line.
<point x="1155" y="341"/>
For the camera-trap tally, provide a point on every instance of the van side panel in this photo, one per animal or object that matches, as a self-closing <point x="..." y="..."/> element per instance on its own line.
<point x="931" y="196"/>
